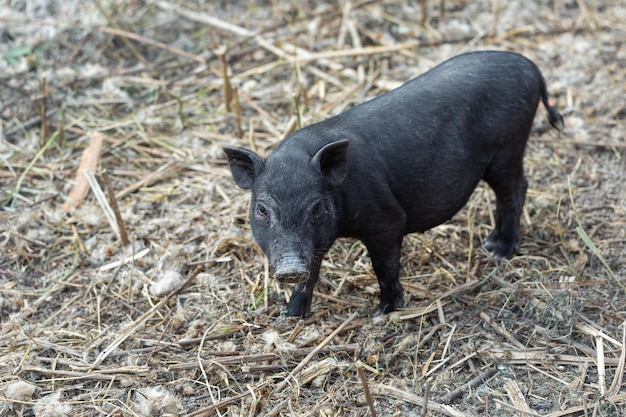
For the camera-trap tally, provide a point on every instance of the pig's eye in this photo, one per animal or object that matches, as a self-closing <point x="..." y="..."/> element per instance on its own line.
<point x="315" y="211"/>
<point x="262" y="211"/>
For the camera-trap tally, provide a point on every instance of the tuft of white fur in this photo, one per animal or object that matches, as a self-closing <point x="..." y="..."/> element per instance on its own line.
<point x="166" y="283"/>
<point x="19" y="391"/>
<point x="51" y="406"/>
<point x="155" y="400"/>
<point x="272" y="338"/>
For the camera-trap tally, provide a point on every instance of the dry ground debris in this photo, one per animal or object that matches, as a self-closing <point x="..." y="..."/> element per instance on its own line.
<point x="184" y="319"/>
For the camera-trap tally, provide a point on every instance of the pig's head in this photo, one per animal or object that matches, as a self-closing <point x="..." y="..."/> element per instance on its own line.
<point x="293" y="213"/>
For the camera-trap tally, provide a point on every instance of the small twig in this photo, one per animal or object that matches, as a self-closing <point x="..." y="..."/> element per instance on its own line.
<point x="412" y="313"/>
<point x="516" y="397"/>
<point x="495" y="12"/>
<point x="430" y="335"/>
<point x="226" y="85"/>
<point x="88" y="162"/>
<point x="255" y="402"/>
<point x="116" y="210"/>
<point x="473" y="384"/>
<point x="212" y="409"/>
<point x="314" y="352"/>
<point x="211" y="261"/>
<point x="366" y="388"/>
<point x="270" y="121"/>
<point x="295" y="332"/>
<point x="448" y="341"/>
<point x="619" y="371"/>
<point x="104" y="204"/>
<point x="131" y="258"/>
<point x="238" y="113"/>
<point x="77" y="239"/>
<point x="426" y="395"/>
<point x="278" y="408"/>
<point x="601" y="365"/>
<point x="424" y="12"/>
<point x="594" y="332"/>
<point x="42" y="111"/>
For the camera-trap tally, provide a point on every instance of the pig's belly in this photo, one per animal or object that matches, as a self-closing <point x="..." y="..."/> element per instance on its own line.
<point x="434" y="204"/>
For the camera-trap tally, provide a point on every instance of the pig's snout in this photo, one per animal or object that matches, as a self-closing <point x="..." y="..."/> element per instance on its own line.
<point x="291" y="269"/>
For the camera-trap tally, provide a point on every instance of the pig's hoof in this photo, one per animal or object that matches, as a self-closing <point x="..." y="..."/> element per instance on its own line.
<point x="386" y="308"/>
<point x="500" y="249"/>
<point x="297" y="311"/>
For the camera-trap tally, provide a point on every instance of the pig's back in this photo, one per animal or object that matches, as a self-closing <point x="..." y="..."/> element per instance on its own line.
<point x="421" y="149"/>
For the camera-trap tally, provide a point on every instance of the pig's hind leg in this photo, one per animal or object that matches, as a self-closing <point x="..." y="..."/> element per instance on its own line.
<point x="507" y="180"/>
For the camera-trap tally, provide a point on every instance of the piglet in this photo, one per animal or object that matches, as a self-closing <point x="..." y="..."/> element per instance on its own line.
<point x="403" y="162"/>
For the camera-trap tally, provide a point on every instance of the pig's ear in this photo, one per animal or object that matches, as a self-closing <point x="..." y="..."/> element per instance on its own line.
<point x="332" y="161"/>
<point x="244" y="165"/>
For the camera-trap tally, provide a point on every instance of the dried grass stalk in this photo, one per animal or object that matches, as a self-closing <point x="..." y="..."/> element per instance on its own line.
<point x="516" y="397"/>
<point x="387" y="390"/>
<point x="619" y="371"/>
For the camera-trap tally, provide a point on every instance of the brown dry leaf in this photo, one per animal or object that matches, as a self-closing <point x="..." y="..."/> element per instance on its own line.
<point x="88" y="162"/>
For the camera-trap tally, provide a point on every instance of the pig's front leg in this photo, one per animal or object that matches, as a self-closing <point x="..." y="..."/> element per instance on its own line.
<point x="385" y="254"/>
<point x="300" y="301"/>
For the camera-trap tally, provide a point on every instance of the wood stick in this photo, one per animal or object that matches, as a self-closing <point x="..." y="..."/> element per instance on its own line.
<point x="226" y="85"/>
<point x="473" y="383"/>
<point x="366" y="388"/>
<point x="516" y="397"/>
<point x="88" y="162"/>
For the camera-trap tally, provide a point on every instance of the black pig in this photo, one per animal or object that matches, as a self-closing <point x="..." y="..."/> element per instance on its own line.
<point x="403" y="162"/>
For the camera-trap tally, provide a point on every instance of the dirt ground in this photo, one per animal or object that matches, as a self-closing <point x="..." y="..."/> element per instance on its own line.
<point x="185" y="319"/>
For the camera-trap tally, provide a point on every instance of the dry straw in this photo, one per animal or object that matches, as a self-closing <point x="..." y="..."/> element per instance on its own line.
<point x="149" y="91"/>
